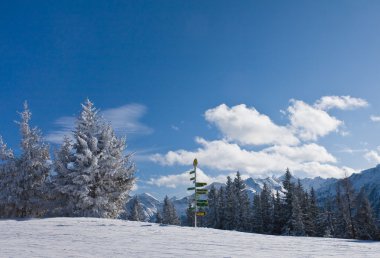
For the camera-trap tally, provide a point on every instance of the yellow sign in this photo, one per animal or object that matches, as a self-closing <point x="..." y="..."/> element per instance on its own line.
<point x="201" y="213"/>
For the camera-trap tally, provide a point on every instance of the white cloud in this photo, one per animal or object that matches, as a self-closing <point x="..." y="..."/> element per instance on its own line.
<point x="308" y="160"/>
<point x="309" y="122"/>
<point x="340" y="102"/>
<point x="304" y="153"/>
<point x="244" y="129"/>
<point x="183" y="179"/>
<point x="372" y="156"/>
<point x="124" y="120"/>
<point x="375" y="118"/>
<point x="248" y="127"/>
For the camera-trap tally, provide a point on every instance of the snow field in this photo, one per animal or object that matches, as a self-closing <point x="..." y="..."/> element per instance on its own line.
<point x="91" y="237"/>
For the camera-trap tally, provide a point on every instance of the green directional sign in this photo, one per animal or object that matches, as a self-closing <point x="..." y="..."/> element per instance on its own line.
<point x="192" y="172"/>
<point x="193" y="178"/>
<point x="190" y="188"/>
<point x="202" y="204"/>
<point x="199" y="202"/>
<point x="200" y="184"/>
<point x="201" y="191"/>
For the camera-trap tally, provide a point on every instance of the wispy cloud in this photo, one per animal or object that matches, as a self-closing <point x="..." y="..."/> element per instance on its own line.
<point x="125" y="120"/>
<point x="375" y="118"/>
<point x="340" y="102"/>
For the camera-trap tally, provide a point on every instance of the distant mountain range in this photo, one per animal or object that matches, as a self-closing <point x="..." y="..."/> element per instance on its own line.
<point x="369" y="179"/>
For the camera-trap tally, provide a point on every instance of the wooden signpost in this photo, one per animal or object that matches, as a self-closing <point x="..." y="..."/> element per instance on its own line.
<point x="198" y="192"/>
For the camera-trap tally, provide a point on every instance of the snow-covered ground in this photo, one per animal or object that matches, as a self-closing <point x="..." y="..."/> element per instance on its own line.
<point x="89" y="237"/>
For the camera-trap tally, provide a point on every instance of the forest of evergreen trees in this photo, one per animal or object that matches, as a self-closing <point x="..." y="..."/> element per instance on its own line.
<point x="293" y="212"/>
<point x="89" y="174"/>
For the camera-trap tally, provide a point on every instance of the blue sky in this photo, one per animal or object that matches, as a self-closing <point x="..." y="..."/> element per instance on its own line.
<point x="240" y="85"/>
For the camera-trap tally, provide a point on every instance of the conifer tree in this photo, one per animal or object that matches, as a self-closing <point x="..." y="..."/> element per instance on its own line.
<point x="230" y="207"/>
<point x="266" y="209"/>
<point x="33" y="168"/>
<point x="365" y="223"/>
<point x="100" y="175"/>
<point x="137" y="212"/>
<point x="158" y="217"/>
<point x="8" y="172"/>
<point x="190" y="213"/>
<point x="348" y="205"/>
<point x="212" y="211"/>
<point x="278" y="217"/>
<point x="257" y="223"/>
<point x="169" y="215"/>
<point x="239" y="205"/>
<point x="221" y="208"/>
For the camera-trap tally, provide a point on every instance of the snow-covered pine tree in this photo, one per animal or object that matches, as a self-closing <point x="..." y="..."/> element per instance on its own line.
<point x="257" y="222"/>
<point x="295" y="224"/>
<point x="212" y="212"/>
<point x="33" y="168"/>
<point x="246" y="212"/>
<point x="365" y="224"/>
<point x="169" y="214"/>
<point x="311" y="214"/>
<point x="61" y="183"/>
<point x="341" y="227"/>
<point x="99" y="175"/>
<point x="137" y="212"/>
<point x="289" y="189"/>
<point x="230" y="205"/>
<point x="266" y="209"/>
<point x="278" y="217"/>
<point x="348" y="205"/>
<point x="158" y="218"/>
<point x="239" y="207"/>
<point x="221" y="208"/>
<point x="8" y="171"/>
<point x="190" y="215"/>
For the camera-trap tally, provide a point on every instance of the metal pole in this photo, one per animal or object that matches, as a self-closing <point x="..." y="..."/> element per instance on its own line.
<point x="195" y="192"/>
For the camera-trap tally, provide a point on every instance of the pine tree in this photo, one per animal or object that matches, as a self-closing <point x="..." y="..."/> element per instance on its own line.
<point x="238" y="205"/>
<point x="32" y="170"/>
<point x="257" y="223"/>
<point x="246" y="212"/>
<point x="266" y="209"/>
<point x="341" y="228"/>
<point x="348" y="203"/>
<point x="212" y="211"/>
<point x="365" y="223"/>
<point x="221" y="208"/>
<point x="158" y="217"/>
<point x="230" y="205"/>
<point x="61" y="184"/>
<point x="312" y="215"/>
<point x="288" y="203"/>
<point x="8" y="171"/>
<point x="295" y="224"/>
<point x="169" y="215"/>
<point x="278" y="217"/>
<point x="137" y="212"/>
<point x="190" y="213"/>
<point x="100" y="175"/>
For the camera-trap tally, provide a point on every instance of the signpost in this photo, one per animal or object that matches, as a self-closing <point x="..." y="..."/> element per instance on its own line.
<point x="197" y="193"/>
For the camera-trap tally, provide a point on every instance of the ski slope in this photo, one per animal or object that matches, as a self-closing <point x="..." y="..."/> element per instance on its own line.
<point x="90" y="237"/>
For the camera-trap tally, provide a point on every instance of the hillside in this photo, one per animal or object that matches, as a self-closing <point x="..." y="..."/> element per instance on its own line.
<point x="91" y="237"/>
